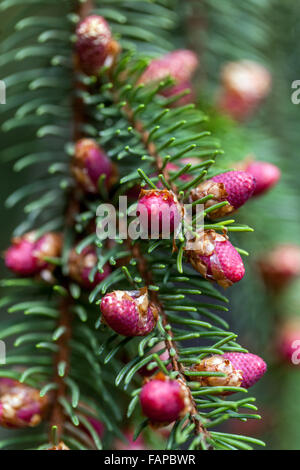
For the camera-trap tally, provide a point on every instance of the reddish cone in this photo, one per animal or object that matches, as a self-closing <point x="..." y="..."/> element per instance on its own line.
<point x="20" y="406"/>
<point x="89" y="163"/>
<point x="94" y="44"/>
<point x="164" y="400"/>
<point x="26" y="255"/>
<point x="266" y="176"/>
<point x="280" y="266"/>
<point x="80" y="266"/>
<point x="129" y="313"/>
<point x="215" y="258"/>
<point x="252" y="367"/>
<point x="236" y="187"/>
<point x="241" y="370"/>
<point x="179" y="65"/>
<point x="288" y="342"/>
<point x="244" y="85"/>
<point x="159" y="212"/>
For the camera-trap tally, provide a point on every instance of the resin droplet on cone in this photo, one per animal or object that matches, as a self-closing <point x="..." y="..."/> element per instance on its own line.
<point x="241" y="370"/>
<point x="20" y="405"/>
<point x="81" y="265"/>
<point x="94" y="44"/>
<point x="280" y="266"/>
<point x="159" y="213"/>
<point x="89" y="163"/>
<point x="129" y="313"/>
<point x="236" y="187"/>
<point x="244" y="85"/>
<point x="26" y="256"/>
<point x="266" y="176"/>
<point x="164" y="400"/>
<point x="215" y="258"/>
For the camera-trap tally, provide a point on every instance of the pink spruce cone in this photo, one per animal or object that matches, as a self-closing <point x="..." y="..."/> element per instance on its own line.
<point x="129" y="313"/>
<point x="138" y="444"/>
<point x="89" y="163"/>
<point x="26" y="255"/>
<point x="215" y="258"/>
<point x="236" y="187"/>
<point x="164" y="400"/>
<point x="80" y="266"/>
<point x="280" y="266"/>
<point x="244" y="85"/>
<point x="252" y="367"/>
<point x="288" y="341"/>
<point x="266" y="176"/>
<point x="240" y="369"/>
<point x="159" y="212"/>
<point x="20" y="405"/>
<point x="179" y="65"/>
<point x="94" y="44"/>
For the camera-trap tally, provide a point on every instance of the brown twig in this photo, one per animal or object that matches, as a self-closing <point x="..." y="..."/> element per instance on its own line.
<point x="57" y="416"/>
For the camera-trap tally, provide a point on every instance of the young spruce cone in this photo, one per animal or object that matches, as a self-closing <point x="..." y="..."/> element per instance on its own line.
<point x="241" y="370"/>
<point x="236" y="187"/>
<point x="94" y="44"/>
<point x="129" y="313"/>
<point x="20" y="405"/>
<point x="89" y="163"/>
<point x="164" y="400"/>
<point x="26" y="255"/>
<point x="81" y="265"/>
<point x="215" y="258"/>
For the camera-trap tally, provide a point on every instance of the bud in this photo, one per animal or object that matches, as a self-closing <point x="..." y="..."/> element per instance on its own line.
<point x="252" y="367"/>
<point x="280" y="266"/>
<point x="288" y="341"/>
<point x="60" y="446"/>
<point x="94" y="44"/>
<point x="80" y="266"/>
<point x="89" y="163"/>
<point x="129" y="313"/>
<point x="266" y="176"/>
<point x="216" y="363"/>
<point x="180" y="65"/>
<point x="159" y="212"/>
<point x="20" y="405"/>
<point x="236" y="187"/>
<point x="164" y="400"/>
<point x="241" y="370"/>
<point x="26" y="256"/>
<point x="215" y="258"/>
<point x="244" y="85"/>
